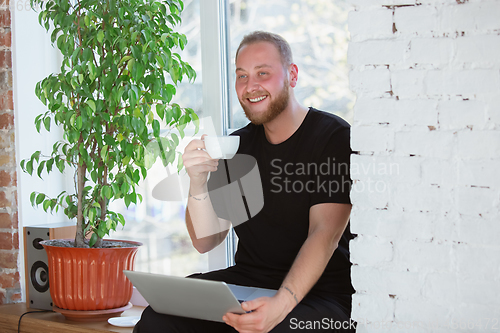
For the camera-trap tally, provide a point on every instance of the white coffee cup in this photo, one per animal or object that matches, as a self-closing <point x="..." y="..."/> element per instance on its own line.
<point x="222" y="146"/>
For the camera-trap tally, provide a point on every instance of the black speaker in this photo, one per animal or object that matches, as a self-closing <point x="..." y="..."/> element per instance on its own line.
<point x="35" y="259"/>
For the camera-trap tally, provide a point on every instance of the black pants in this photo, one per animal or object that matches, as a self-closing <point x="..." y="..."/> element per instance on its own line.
<point x="315" y="313"/>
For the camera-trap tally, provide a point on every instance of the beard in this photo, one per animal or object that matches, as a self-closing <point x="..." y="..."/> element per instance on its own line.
<point x="276" y="106"/>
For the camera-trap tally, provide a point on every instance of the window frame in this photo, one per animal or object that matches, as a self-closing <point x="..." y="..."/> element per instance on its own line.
<point x="216" y="95"/>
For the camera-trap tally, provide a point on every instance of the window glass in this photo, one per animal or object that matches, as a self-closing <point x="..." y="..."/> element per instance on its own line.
<point x="318" y="35"/>
<point x="160" y="225"/>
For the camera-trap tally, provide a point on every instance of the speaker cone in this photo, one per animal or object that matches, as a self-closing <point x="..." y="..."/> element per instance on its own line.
<point x="36" y="244"/>
<point x="40" y="276"/>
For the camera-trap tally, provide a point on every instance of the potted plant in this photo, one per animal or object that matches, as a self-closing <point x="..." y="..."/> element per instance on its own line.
<point x="111" y="99"/>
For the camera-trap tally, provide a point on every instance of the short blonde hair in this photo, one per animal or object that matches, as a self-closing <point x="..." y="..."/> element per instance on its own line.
<point x="279" y="42"/>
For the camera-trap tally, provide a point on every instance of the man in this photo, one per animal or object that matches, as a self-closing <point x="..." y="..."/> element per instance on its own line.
<point x="298" y="243"/>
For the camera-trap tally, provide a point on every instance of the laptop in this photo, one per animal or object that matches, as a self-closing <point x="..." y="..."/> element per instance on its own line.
<point x="191" y="297"/>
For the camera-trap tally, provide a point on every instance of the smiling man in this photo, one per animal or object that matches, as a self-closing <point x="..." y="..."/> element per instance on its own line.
<point x="263" y="90"/>
<point x="298" y="243"/>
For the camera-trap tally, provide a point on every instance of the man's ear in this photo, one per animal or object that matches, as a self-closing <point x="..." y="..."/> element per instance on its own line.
<point x="293" y="72"/>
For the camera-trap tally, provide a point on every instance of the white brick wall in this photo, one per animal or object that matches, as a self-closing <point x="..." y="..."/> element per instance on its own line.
<point x="427" y="170"/>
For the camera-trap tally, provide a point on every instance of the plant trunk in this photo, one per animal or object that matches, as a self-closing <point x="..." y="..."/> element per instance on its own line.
<point x="102" y="203"/>
<point x="80" y="234"/>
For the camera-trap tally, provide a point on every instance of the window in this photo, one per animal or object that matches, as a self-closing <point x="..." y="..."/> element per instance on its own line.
<point x="318" y="35"/>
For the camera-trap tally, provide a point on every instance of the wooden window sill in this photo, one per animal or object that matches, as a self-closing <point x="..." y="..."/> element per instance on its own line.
<point x="54" y="322"/>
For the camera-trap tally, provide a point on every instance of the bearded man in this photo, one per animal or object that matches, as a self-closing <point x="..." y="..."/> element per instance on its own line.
<point x="298" y="243"/>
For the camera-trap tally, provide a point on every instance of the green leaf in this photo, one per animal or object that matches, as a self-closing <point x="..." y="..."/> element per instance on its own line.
<point x="124" y="59"/>
<point x="109" y="224"/>
<point x="60" y="166"/>
<point x="87" y="54"/>
<point x="72" y="120"/>
<point x="60" y="41"/>
<point x="137" y="113"/>
<point x="180" y="163"/>
<point x="181" y="131"/>
<point x="39" y="199"/>
<point x="175" y="138"/>
<point x="91" y="104"/>
<point x="32" y="198"/>
<point x="124" y="188"/>
<point x="46" y="204"/>
<point x="38" y="124"/>
<point x="107" y="191"/>
<point x="87" y="20"/>
<point x="36" y="155"/>
<point x="196" y="121"/>
<point x="132" y="98"/>
<point x="93" y="176"/>
<point x="93" y="239"/>
<point x="121" y="219"/>
<point x="126" y="160"/>
<point x="127" y="200"/>
<point x="46" y="123"/>
<point x="91" y="215"/>
<point x="130" y="64"/>
<point x="100" y="36"/>
<point x="104" y="152"/>
<point x="149" y="160"/>
<point x="170" y="91"/>
<point x="129" y="150"/>
<point x="40" y="168"/>
<point x="160" y="110"/>
<point x="29" y="167"/>
<point x="156" y="128"/>
<point x="116" y="189"/>
<point x="175" y="73"/>
<point x="91" y="69"/>
<point x="137" y="176"/>
<point x="121" y="12"/>
<point x="164" y="37"/>
<point x="79" y="123"/>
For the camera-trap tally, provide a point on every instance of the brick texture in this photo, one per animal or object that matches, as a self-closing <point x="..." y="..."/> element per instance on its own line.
<point x="4" y="18"/>
<point x="8" y="259"/>
<point x="427" y="79"/>
<point x="8" y="221"/>
<point x="10" y="291"/>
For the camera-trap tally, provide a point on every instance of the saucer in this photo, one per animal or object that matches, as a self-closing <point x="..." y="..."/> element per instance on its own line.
<point x="124" y="321"/>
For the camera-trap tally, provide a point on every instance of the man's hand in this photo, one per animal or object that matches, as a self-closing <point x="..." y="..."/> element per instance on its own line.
<point x="266" y="313"/>
<point x="198" y="163"/>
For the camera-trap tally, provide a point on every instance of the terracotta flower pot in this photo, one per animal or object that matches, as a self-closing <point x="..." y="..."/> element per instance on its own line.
<point x="90" y="279"/>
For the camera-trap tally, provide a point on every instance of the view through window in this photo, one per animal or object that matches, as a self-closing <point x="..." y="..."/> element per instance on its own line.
<point x="318" y="35"/>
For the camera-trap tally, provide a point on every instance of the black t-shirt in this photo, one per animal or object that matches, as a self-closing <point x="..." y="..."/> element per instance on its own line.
<point x="309" y="168"/>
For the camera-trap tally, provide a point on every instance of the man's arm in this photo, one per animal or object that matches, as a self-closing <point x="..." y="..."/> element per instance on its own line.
<point x="327" y="222"/>
<point x="207" y="231"/>
<point x="205" y="228"/>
